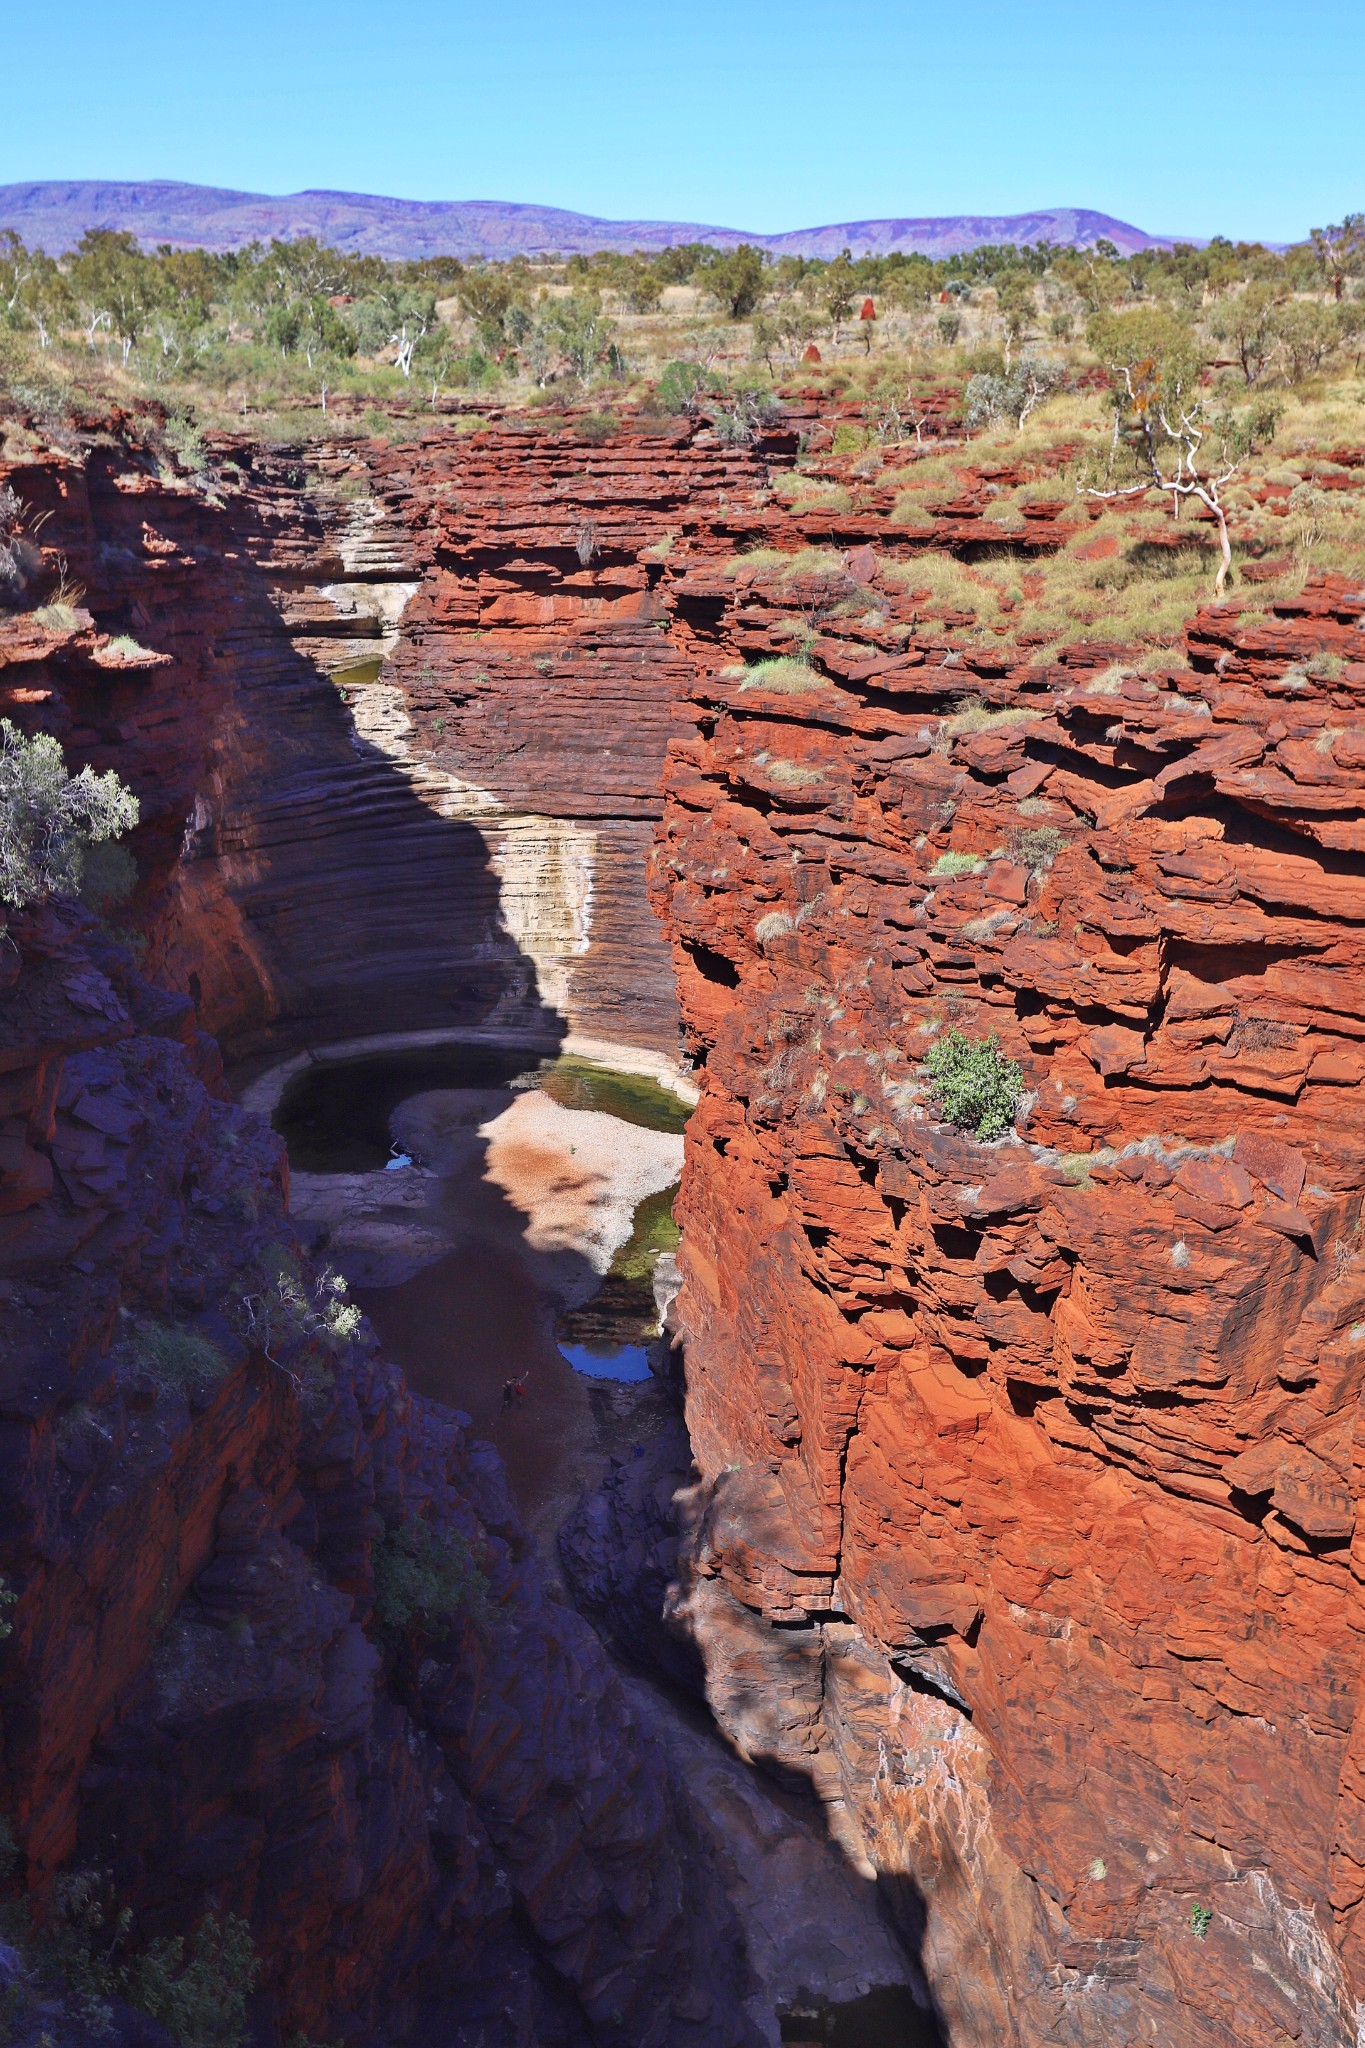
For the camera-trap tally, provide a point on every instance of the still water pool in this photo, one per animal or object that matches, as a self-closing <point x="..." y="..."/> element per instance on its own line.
<point x="885" y="2018"/>
<point x="624" y="1362"/>
<point x="336" y="1117"/>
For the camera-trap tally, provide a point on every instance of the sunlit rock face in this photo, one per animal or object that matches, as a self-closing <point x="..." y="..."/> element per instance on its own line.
<point x="1030" y="1482"/>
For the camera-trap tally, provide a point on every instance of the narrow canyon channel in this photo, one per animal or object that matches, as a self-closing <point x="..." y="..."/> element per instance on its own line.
<point x="506" y="1222"/>
<point x="505" y="1219"/>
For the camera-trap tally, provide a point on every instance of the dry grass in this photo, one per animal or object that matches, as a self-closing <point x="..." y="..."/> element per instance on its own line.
<point x="948" y="585"/>
<point x="974" y="716"/>
<point x="805" y="493"/>
<point x="803" y="562"/>
<point x="784" y="672"/>
<point x="929" y="472"/>
<point x="907" y="511"/>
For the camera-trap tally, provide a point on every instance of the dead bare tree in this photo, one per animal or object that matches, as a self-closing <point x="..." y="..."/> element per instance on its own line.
<point x="405" y="338"/>
<point x="1340" y="249"/>
<point x="1170" y="440"/>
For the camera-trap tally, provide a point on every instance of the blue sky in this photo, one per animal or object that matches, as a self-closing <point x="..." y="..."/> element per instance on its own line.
<point x="1197" y="118"/>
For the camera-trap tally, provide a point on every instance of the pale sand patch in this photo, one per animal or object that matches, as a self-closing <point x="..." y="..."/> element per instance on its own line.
<point x="577" y="1175"/>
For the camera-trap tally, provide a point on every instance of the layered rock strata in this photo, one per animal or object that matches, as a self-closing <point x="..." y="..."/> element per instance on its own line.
<point x="1031" y="1465"/>
<point x="396" y="715"/>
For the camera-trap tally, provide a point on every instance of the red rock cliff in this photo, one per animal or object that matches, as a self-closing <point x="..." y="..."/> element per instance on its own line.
<point x="1032" y="1465"/>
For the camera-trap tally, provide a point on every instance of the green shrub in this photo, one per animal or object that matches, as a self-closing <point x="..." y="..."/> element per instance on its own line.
<point x="290" y="1311"/>
<point x="180" y="1359"/>
<point x="49" y="820"/>
<point x="746" y="415"/>
<point x="1012" y="396"/>
<point x="975" y="1086"/>
<point x="597" y="427"/>
<point x="199" y="1991"/>
<point x="109" y="875"/>
<point x="184" y="439"/>
<point x="1035" y="846"/>
<point x="420" y="1576"/>
<point x="1201" y="1919"/>
<point x="950" y="864"/>
<point x="81" y="1942"/>
<point x="679" y="386"/>
<point x="734" y="279"/>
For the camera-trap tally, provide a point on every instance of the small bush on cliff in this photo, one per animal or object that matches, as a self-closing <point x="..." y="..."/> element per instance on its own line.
<point x="199" y="1990"/>
<point x="49" y="820"/>
<point x="975" y="1086"/>
<point x="291" y="1312"/>
<point x="109" y="877"/>
<point x="1035" y="846"/>
<point x="179" y="1359"/>
<point x="1014" y="396"/>
<point x="597" y="427"/>
<point x="679" y="386"/>
<point x="82" y="1943"/>
<point x="420" y="1576"/>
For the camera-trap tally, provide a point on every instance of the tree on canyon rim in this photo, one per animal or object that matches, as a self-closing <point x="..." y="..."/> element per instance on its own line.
<point x="735" y="280"/>
<point x="1165" y="437"/>
<point x="1341" y="251"/>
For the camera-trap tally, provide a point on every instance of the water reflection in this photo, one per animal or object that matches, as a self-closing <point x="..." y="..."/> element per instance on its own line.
<point x="625" y="1362"/>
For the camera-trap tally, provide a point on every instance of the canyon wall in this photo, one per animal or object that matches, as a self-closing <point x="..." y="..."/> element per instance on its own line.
<point x="1030" y="1467"/>
<point x="397" y="717"/>
<point x="453" y="1830"/>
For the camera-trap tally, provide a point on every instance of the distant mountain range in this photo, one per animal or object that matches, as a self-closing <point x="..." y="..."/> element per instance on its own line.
<point x="53" y="214"/>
